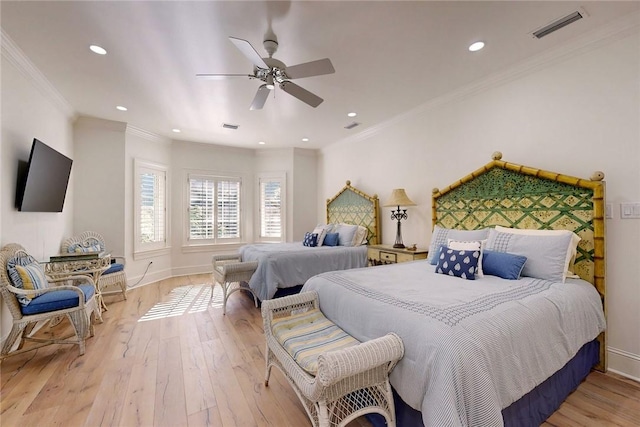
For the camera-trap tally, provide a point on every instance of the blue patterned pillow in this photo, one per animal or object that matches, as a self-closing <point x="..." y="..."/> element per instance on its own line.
<point x="26" y="273"/>
<point x="458" y="263"/>
<point x="310" y="239"/>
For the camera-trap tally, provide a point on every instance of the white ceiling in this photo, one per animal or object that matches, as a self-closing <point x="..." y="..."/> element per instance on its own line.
<point x="390" y="57"/>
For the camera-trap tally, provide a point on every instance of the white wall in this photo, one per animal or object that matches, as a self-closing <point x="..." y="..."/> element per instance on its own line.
<point x="205" y="158"/>
<point x="303" y="202"/>
<point x="99" y="162"/>
<point x="150" y="148"/>
<point x="574" y="115"/>
<point x="27" y="113"/>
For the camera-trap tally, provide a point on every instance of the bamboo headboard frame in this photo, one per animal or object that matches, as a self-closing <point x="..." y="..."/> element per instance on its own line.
<point x="512" y="195"/>
<point x="352" y="206"/>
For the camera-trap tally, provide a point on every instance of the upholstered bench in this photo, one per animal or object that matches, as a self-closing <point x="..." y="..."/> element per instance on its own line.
<point x="336" y="377"/>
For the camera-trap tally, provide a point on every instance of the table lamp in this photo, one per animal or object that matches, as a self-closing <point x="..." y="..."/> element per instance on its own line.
<point x="399" y="198"/>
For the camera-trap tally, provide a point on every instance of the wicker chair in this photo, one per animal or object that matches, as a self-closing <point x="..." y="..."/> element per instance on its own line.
<point x="233" y="275"/>
<point x="349" y="383"/>
<point x="81" y="315"/>
<point x="114" y="276"/>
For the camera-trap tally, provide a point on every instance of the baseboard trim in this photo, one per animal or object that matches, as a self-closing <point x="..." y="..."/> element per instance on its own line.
<point x="624" y="363"/>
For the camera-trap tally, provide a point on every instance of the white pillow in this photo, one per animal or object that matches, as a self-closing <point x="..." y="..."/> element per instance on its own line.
<point x="469" y="245"/>
<point x="360" y="237"/>
<point x="573" y="243"/>
<point x="321" y="230"/>
<point x="346" y="234"/>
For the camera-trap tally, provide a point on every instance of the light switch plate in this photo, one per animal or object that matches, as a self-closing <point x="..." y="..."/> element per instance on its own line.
<point x="629" y="210"/>
<point x="608" y="210"/>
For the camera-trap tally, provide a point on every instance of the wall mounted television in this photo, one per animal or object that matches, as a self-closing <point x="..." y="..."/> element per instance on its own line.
<point x="43" y="186"/>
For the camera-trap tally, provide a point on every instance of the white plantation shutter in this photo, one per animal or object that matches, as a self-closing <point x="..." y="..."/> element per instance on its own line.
<point x="228" y="209"/>
<point x="151" y="220"/>
<point x="270" y="208"/>
<point x="214" y="209"/>
<point x="152" y="207"/>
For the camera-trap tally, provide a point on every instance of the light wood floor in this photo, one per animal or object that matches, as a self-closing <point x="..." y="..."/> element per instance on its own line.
<point x="168" y="357"/>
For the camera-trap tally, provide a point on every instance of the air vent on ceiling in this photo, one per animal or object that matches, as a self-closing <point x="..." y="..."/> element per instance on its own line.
<point x="228" y="126"/>
<point x="557" y="24"/>
<point x="351" y="125"/>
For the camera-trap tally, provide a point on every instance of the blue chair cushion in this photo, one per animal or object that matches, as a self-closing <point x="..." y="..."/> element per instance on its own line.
<point x="53" y="301"/>
<point x="115" y="267"/>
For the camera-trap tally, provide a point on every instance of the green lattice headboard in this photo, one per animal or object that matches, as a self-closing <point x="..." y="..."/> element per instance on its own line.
<point x="352" y="206"/>
<point x="512" y="195"/>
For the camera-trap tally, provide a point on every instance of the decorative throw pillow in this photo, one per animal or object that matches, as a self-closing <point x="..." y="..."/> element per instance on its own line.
<point x="78" y="248"/>
<point x="440" y="235"/>
<point x="26" y="273"/>
<point x="458" y="263"/>
<point x="331" y="239"/>
<point x="503" y="264"/>
<point x="310" y="239"/>
<point x="469" y="245"/>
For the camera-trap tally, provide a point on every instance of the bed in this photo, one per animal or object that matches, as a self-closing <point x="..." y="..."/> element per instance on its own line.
<point x="489" y="351"/>
<point x="288" y="265"/>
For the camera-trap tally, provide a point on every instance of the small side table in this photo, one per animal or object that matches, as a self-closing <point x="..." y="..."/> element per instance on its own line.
<point x="387" y="254"/>
<point x="93" y="267"/>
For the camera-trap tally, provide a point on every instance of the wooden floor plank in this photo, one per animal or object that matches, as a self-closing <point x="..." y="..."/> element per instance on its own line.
<point x="168" y="356"/>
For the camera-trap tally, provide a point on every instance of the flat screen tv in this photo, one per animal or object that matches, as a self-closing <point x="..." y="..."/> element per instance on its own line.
<point x="45" y="181"/>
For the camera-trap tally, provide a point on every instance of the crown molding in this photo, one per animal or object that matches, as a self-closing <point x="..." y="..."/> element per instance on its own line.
<point x="23" y="64"/>
<point x="617" y="30"/>
<point x="144" y="134"/>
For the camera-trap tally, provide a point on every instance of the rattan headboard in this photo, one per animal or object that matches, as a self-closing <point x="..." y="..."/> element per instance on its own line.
<point x="512" y="195"/>
<point x="352" y="206"/>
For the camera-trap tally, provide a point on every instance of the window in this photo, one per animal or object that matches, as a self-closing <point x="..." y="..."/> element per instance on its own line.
<point x="151" y="219"/>
<point x="214" y="209"/>
<point x="271" y="205"/>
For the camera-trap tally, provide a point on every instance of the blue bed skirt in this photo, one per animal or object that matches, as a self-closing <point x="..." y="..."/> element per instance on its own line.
<point x="530" y="410"/>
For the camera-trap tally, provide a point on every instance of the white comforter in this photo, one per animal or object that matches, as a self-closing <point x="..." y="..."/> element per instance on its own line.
<point x="283" y="265"/>
<point x="472" y="347"/>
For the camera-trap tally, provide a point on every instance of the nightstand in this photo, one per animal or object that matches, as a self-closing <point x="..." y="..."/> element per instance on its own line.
<point x="387" y="254"/>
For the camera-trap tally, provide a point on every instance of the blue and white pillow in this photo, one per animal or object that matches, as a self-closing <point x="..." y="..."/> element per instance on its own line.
<point x="310" y="239"/>
<point x="26" y="273"/>
<point x="546" y="255"/>
<point x="458" y="263"/>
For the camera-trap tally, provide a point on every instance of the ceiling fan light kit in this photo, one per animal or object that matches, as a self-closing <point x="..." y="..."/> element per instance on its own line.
<point x="271" y="72"/>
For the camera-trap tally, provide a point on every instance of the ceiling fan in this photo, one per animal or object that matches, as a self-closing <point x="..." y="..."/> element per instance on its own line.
<point x="272" y="72"/>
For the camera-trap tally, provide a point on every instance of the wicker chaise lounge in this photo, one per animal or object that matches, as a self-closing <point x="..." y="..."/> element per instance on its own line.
<point x="348" y="383"/>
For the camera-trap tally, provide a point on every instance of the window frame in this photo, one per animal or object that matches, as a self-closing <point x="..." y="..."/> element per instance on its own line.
<point x="194" y="244"/>
<point x="159" y="247"/>
<point x="280" y="177"/>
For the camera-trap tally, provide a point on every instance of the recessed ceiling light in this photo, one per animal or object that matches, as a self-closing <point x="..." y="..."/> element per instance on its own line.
<point x="121" y="108"/>
<point x="352" y="114"/>
<point x="476" y="46"/>
<point x="305" y="139"/>
<point x="97" y="49"/>
<point x="176" y="130"/>
<point x="261" y="142"/>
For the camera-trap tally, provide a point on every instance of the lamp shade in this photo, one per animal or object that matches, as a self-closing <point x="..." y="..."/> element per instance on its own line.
<point x="399" y="198"/>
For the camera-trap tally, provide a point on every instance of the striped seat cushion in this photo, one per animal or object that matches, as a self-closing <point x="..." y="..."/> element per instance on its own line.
<point x="306" y="335"/>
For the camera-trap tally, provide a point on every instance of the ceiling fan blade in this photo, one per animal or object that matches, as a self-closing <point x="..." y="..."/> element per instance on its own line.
<point x="302" y="94"/>
<point x="260" y="98"/>
<point x="248" y="51"/>
<point x="220" y="76"/>
<point x="309" y="69"/>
